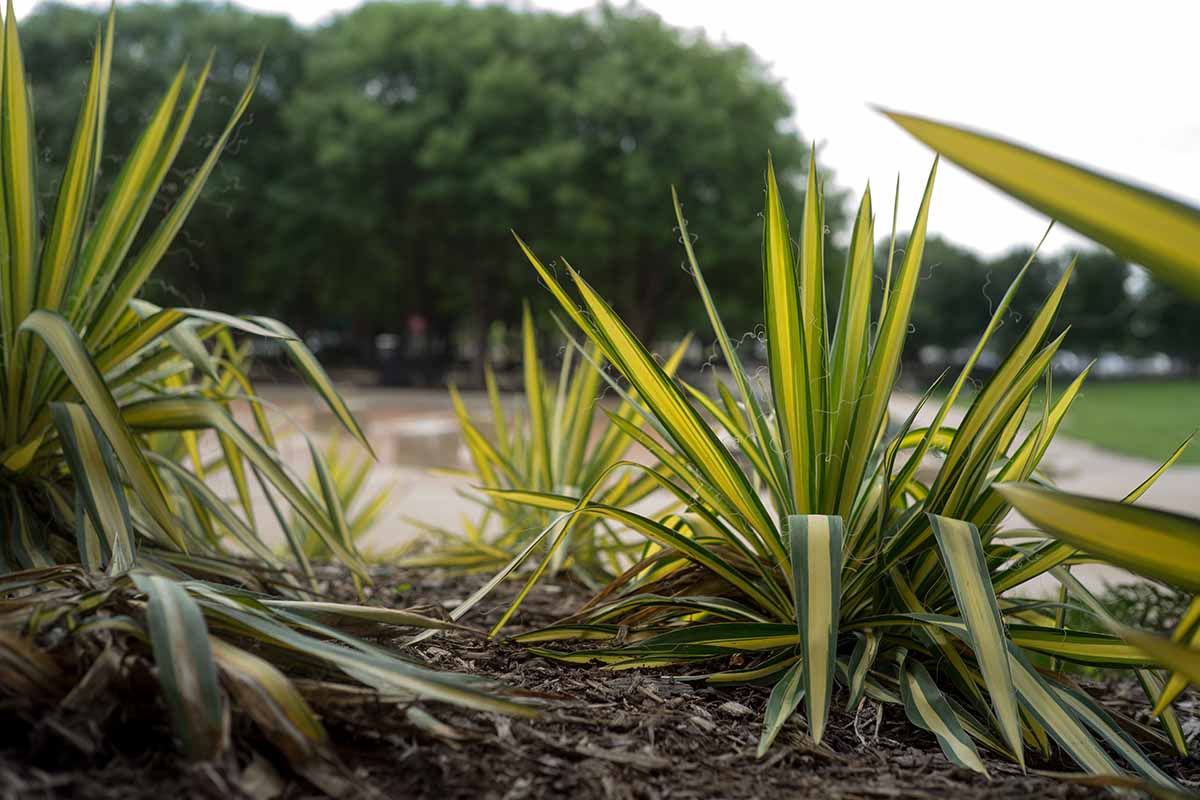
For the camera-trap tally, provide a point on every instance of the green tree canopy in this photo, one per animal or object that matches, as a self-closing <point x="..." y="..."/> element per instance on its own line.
<point x="389" y="153"/>
<point x="432" y="130"/>
<point x="231" y="231"/>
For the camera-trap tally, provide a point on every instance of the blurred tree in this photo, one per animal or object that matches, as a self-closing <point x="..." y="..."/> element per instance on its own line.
<point x="1166" y="321"/>
<point x="656" y="107"/>
<point x="435" y="129"/>
<point x="1098" y="305"/>
<point x="234" y="224"/>
<point x="951" y="304"/>
<point x="387" y="155"/>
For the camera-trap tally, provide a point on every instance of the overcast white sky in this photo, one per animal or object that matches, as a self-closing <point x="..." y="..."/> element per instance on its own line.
<point x="1107" y="82"/>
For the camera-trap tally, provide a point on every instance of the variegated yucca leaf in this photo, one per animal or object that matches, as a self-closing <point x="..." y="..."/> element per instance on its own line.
<point x="928" y="708"/>
<point x="966" y="566"/>
<point x="1157" y="544"/>
<point x="816" y="560"/>
<point x="1144" y="226"/>
<point x="179" y="637"/>
<point x="785" y="697"/>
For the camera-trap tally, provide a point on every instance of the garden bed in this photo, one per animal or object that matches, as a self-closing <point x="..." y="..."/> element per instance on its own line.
<point x="633" y="734"/>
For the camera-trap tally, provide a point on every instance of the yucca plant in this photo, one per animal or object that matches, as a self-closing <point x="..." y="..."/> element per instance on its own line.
<point x="1163" y="234"/>
<point x="349" y="472"/>
<point x="191" y="460"/>
<point x="104" y="401"/>
<point x="69" y="636"/>
<point x="551" y="443"/>
<point x="822" y="558"/>
<point x="89" y="370"/>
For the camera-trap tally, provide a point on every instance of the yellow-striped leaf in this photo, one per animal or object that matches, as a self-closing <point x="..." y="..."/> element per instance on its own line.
<point x="927" y="708"/>
<point x="1184" y="660"/>
<point x="962" y="554"/>
<point x="317" y="378"/>
<point x="786" y="347"/>
<point x="785" y="697"/>
<point x="133" y="276"/>
<point x="816" y="561"/>
<point x="290" y="714"/>
<point x="1058" y="719"/>
<point x="111" y="235"/>
<point x="98" y="483"/>
<point x="774" y="471"/>
<point x="1157" y="544"/>
<point x="1146" y="227"/>
<point x="1153" y="685"/>
<point x="65" y="233"/>
<point x="183" y="655"/>
<point x="1099" y="720"/>
<point x="1082" y="647"/>
<point x="861" y="660"/>
<point x="871" y="412"/>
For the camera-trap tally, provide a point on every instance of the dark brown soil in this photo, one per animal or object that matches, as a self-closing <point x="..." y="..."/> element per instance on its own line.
<point x="633" y="734"/>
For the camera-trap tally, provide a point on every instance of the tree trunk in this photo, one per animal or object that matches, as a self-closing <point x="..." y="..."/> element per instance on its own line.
<point x="649" y="302"/>
<point x="481" y="322"/>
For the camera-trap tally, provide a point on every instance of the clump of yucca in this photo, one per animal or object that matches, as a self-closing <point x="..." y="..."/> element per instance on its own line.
<point x="560" y="439"/>
<point x="821" y="558"/>
<point x="109" y="521"/>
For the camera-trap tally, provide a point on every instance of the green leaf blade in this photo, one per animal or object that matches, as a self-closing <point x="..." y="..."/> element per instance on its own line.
<point x="179" y="637"/>
<point x="1144" y="226"/>
<point x="962" y="554"/>
<point x="816" y="561"/>
<point x="928" y="708"/>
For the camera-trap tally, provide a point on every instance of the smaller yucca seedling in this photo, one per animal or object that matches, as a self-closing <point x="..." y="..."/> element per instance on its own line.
<point x="823" y="558"/>
<point x="559" y="440"/>
<point x="349" y="471"/>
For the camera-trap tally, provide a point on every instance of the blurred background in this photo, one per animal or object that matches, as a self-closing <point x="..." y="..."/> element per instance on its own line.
<point x="391" y="148"/>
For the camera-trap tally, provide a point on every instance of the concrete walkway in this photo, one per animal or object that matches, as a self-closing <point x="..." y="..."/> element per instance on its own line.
<point x="414" y="431"/>
<point x="1077" y="466"/>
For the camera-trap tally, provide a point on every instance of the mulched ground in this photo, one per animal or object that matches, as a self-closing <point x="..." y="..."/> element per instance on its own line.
<point x="605" y="735"/>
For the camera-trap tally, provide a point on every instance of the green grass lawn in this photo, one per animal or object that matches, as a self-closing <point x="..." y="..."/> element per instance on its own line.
<point x="1147" y="419"/>
<point x="1138" y="418"/>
